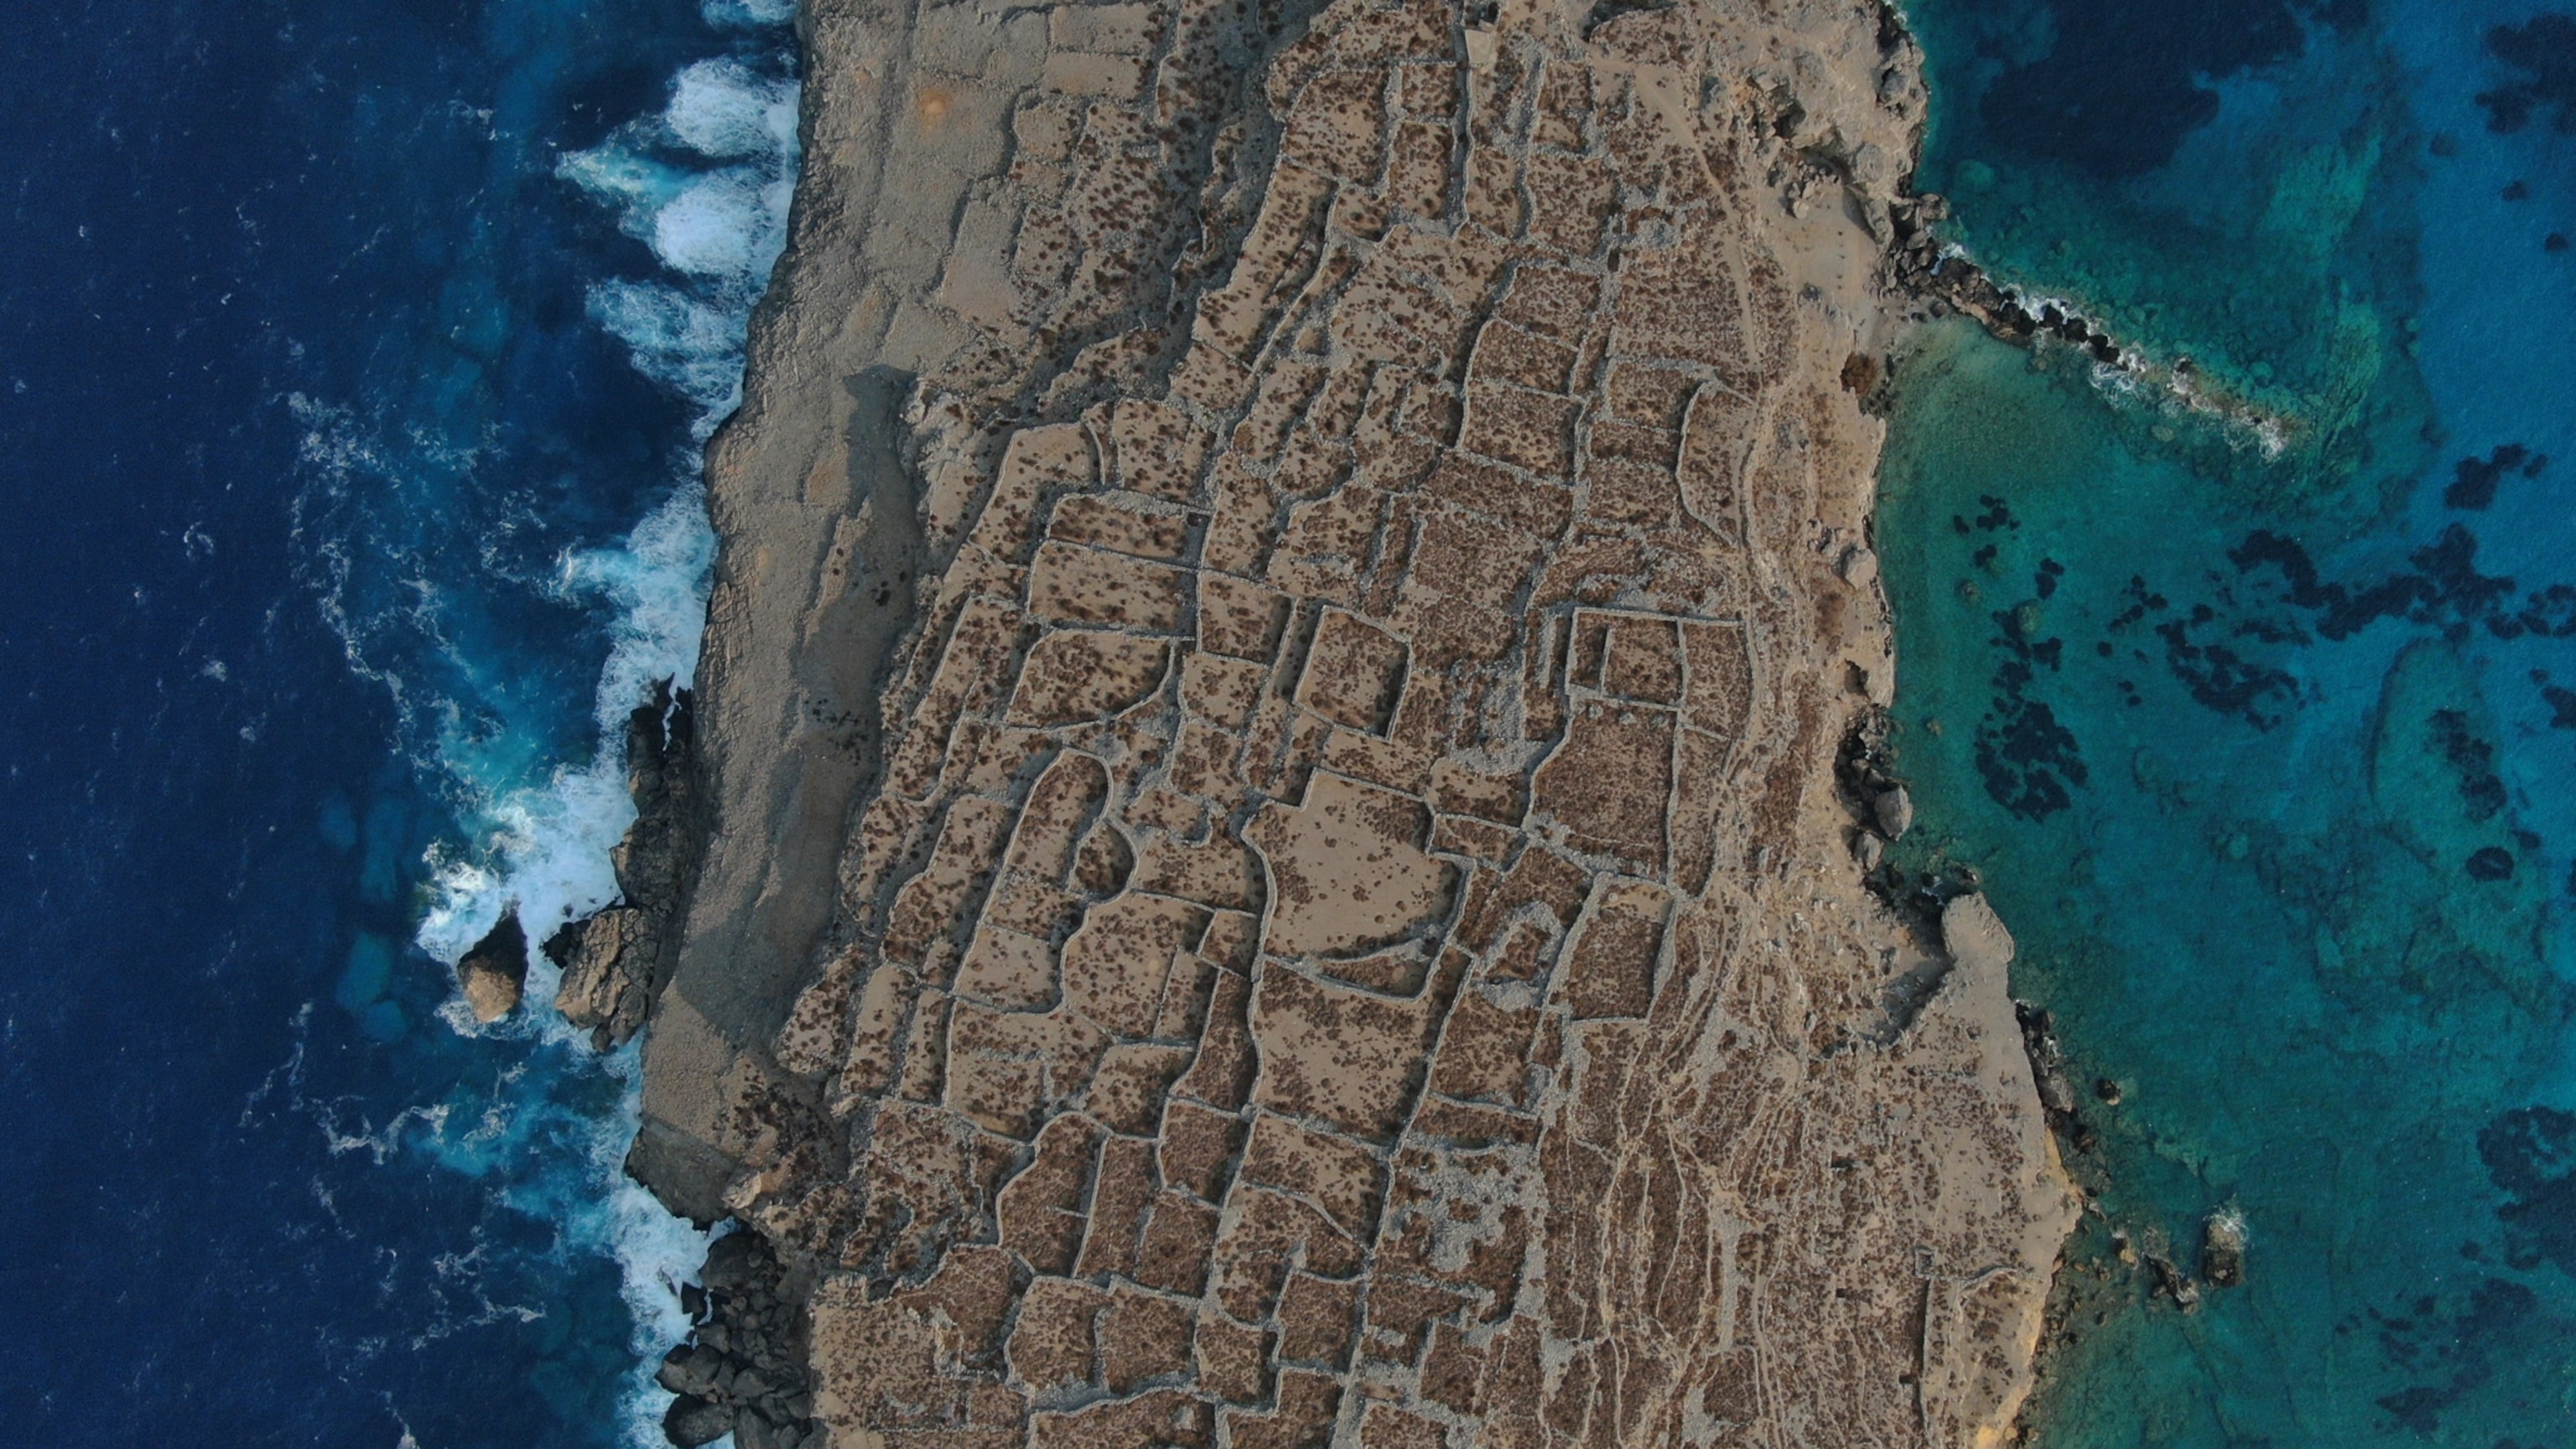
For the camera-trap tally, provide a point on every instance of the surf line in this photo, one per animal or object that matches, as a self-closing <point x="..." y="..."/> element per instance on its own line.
<point x="705" y="184"/>
<point x="1947" y="278"/>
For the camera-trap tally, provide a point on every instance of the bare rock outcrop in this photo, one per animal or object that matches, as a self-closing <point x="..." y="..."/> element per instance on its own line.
<point x="492" y="975"/>
<point x="614" y="962"/>
<point x="1271" y="873"/>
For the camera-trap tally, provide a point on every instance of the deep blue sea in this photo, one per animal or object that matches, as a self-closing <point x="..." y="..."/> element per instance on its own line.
<point x="354" y="359"/>
<point x="2244" y="678"/>
<point x="355" y="356"/>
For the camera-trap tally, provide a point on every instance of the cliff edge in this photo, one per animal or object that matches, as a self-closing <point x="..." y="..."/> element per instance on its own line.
<point x="1267" y="866"/>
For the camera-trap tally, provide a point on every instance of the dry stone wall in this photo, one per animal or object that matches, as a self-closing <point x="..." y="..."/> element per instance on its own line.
<point x="1352" y="939"/>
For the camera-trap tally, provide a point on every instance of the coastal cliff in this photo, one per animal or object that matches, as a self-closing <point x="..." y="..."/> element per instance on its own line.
<point x="1264" y="855"/>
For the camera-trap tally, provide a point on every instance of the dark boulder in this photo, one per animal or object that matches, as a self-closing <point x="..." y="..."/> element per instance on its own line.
<point x="2173" y="1282"/>
<point x="692" y="1422"/>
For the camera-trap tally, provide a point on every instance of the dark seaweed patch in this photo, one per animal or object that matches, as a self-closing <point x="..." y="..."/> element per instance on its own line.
<point x="2474" y="758"/>
<point x="2210" y="649"/>
<point x="2473" y="480"/>
<point x="2459" y="1346"/>
<point x="2224" y="680"/>
<point x="2445" y="590"/>
<point x="2142" y="602"/>
<point x="2562" y="706"/>
<point x="2530" y="1155"/>
<point x="2544" y="50"/>
<point x="2030" y="761"/>
<point x="2493" y="863"/>
<point x="2125" y="83"/>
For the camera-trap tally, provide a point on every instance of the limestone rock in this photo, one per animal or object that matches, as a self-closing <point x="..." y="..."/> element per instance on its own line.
<point x="1894" y="811"/>
<point x="493" y="974"/>
<point x="614" y="961"/>
<point x="1975" y="937"/>
<point x="1270" y="713"/>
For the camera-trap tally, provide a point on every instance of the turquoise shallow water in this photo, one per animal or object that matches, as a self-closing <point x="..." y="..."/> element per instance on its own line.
<point x="2256" y="723"/>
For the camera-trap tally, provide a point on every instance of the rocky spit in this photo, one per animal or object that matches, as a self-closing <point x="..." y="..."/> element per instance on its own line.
<point x="1258" y="858"/>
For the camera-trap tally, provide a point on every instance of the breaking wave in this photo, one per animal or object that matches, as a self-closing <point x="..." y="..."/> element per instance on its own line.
<point x="437" y="575"/>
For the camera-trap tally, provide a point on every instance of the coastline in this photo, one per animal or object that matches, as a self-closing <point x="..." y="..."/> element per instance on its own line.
<point x="2262" y="848"/>
<point x="863" y="502"/>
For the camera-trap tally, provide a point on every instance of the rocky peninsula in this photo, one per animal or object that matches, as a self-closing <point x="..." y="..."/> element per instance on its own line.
<point x="1269" y="849"/>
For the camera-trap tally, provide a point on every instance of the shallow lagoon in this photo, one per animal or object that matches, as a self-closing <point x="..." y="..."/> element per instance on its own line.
<point x="2247" y="721"/>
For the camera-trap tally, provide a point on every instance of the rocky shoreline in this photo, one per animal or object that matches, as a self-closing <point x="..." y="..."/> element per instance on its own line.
<point x="1258" y="856"/>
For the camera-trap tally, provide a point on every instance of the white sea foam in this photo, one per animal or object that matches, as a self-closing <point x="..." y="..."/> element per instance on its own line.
<point x="2140" y="380"/>
<point x="546" y="844"/>
<point x="705" y="183"/>
<point x="717" y="230"/>
<point x="720" y="108"/>
<point x="715" y="226"/>
<point x="748" y="14"/>
<point x="655" y="1251"/>
<point x="689" y="346"/>
<point x="544" y="838"/>
<point x="546" y="841"/>
<point x="724" y="223"/>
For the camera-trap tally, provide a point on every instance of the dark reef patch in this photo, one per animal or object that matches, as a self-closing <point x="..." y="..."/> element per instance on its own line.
<point x="2457" y="1347"/>
<point x="2530" y="1155"/>
<point x="2473" y="481"/>
<point x="2474" y="758"/>
<point x="2030" y="761"/>
<point x="2221" y="679"/>
<point x="2493" y="863"/>
<point x="2125" y="83"/>
<point x="2544" y="50"/>
<point x="2445" y="590"/>
<point x="2562" y="706"/>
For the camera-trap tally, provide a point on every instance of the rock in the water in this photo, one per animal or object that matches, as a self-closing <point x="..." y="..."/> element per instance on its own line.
<point x="614" y="961"/>
<point x="690" y="1371"/>
<point x="734" y="1261"/>
<point x="495" y="972"/>
<point x="692" y="1422"/>
<point x="2174" y="1283"/>
<point x="1869" y="850"/>
<point x="2222" y="1248"/>
<point x="593" y="954"/>
<point x="1895" y="811"/>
